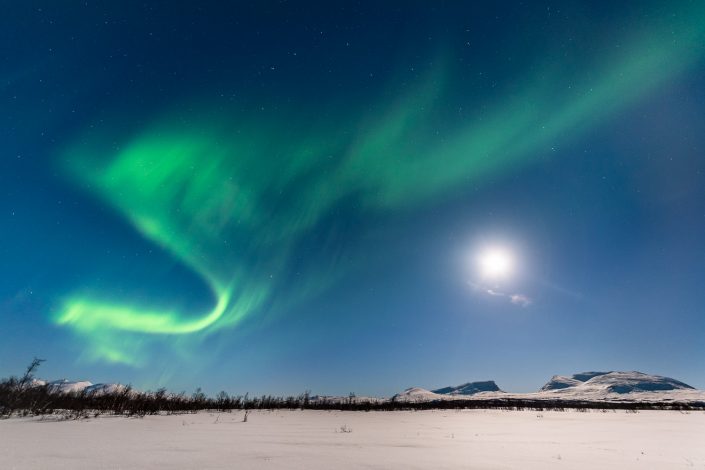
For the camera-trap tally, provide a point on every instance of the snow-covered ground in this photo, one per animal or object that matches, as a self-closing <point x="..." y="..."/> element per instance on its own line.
<point x="468" y="439"/>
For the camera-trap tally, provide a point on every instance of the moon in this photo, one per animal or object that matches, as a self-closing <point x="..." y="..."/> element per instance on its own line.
<point x="495" y="263"/>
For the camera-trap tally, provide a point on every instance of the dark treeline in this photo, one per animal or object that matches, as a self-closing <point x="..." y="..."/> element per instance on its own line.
<point x="24" y="397"/>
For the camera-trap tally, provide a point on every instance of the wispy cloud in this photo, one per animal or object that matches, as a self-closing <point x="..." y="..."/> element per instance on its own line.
<point x="517" y="299"/>
<point x="520" y="299"/>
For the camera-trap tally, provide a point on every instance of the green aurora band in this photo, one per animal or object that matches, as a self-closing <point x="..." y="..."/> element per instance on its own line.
<point x="231" y="201"/>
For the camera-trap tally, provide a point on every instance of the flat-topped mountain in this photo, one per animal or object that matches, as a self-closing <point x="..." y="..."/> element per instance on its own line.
<point x="470" y="388"/>
<point x="613" y="382"/>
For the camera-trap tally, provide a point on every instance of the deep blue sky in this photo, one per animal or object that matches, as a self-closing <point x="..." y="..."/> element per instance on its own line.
<point x="371" y="285"/>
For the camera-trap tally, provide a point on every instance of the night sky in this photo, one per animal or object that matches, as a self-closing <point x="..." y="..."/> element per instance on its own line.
<point x="272" y="197"/>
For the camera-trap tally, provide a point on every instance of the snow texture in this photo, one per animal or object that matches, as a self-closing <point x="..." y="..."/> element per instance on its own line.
<point x="474" y="439"/>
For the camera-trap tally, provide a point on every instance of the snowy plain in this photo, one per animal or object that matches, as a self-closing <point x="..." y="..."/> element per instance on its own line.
<point x="438" y="439"/>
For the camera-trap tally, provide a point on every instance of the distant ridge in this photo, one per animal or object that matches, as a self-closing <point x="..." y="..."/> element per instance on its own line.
<point x="470" y="388"/>
<point x="612" y="386"/>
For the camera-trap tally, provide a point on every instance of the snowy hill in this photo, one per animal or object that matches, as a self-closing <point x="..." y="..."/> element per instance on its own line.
<point x="417" y="394"/>
<point x="470" y="388"/>
<point x="66" y="386"/>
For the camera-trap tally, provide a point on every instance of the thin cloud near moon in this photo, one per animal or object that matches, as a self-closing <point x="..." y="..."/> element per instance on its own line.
<point x="517" y="299"/>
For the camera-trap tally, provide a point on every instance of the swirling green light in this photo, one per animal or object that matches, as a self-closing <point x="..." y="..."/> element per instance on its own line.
<point x="231" y="201"/>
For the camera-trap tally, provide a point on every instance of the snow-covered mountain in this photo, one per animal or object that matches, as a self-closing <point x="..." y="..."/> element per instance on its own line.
<point x="558" y="382"/>
<point x="610" y="386"/>
<point x="418" y="394"/>
<point x="66" y="386"/>
<point x="470" y="388"/>
<point x="592" y="383"/>
<point x="486" y="388"/>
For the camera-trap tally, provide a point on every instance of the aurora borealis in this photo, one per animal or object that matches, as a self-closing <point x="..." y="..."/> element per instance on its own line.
<point x="258" y="186"/>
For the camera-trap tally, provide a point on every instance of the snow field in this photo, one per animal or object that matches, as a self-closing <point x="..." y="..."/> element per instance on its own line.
<point x="468" y="439"/>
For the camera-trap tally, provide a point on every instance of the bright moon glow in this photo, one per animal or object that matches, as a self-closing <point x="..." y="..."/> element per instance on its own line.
<point x="496" y="263"/>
